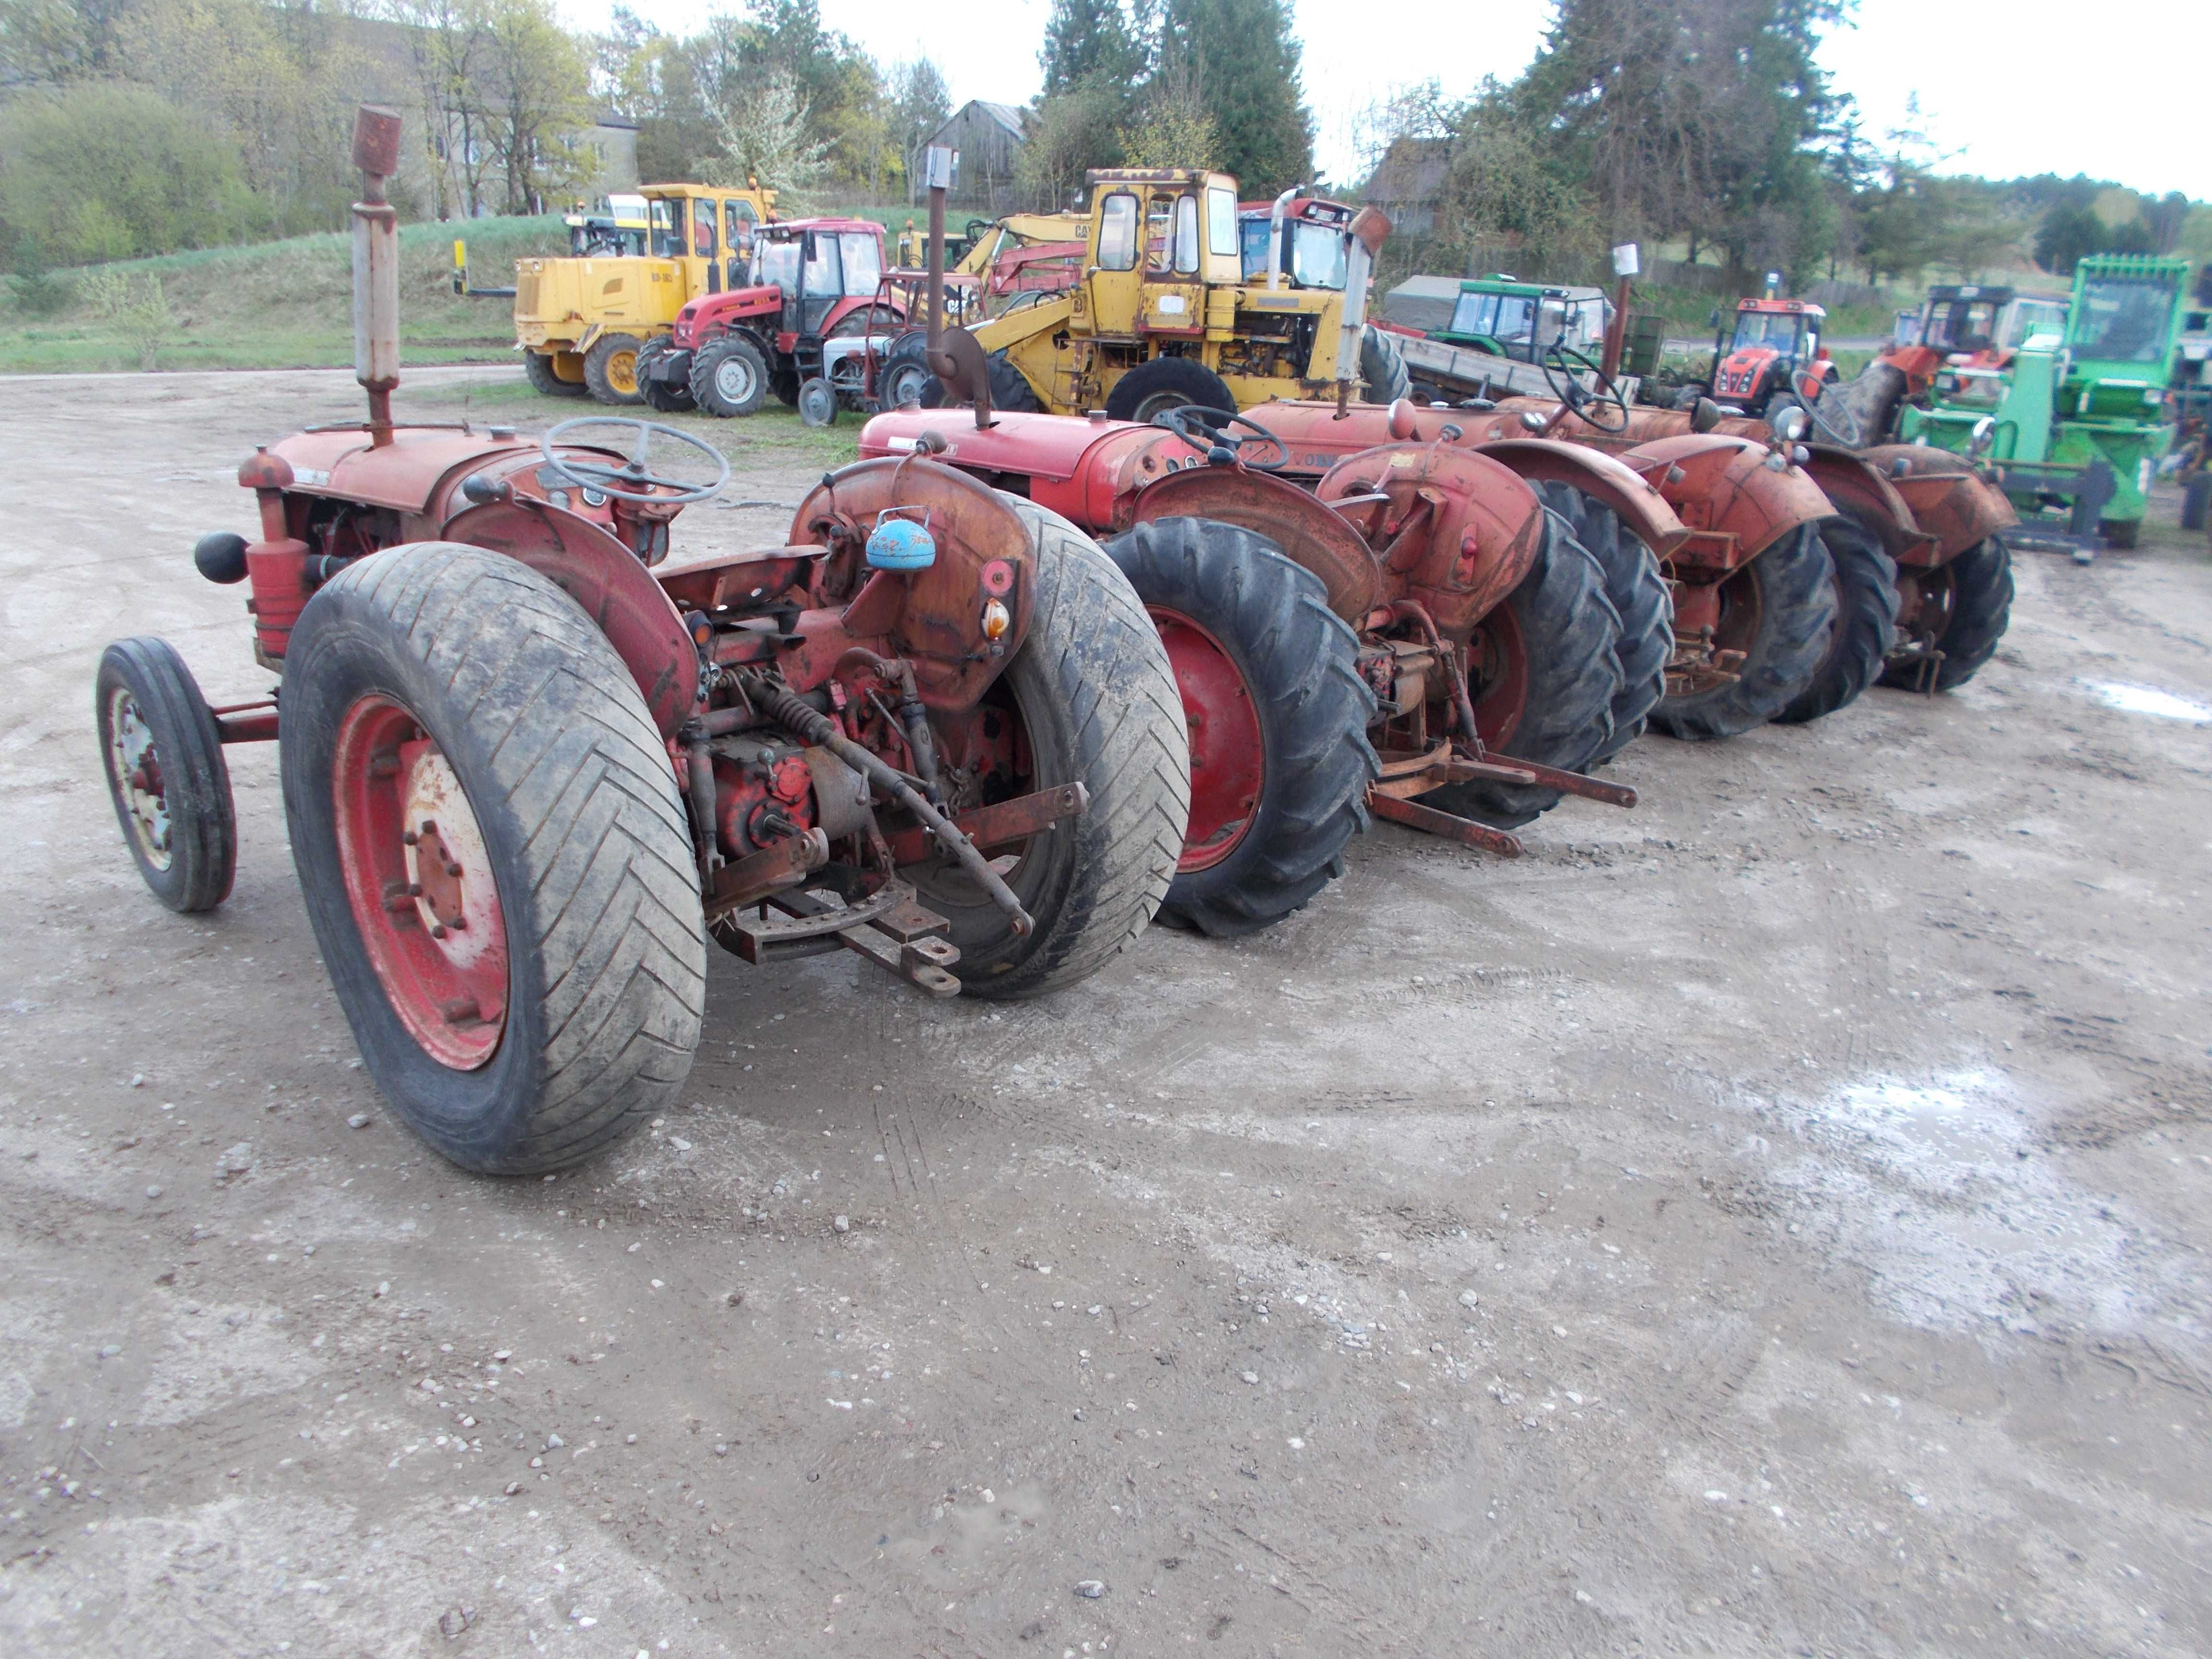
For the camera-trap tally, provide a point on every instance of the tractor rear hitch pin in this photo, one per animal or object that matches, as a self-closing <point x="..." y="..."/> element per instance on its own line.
<point x="788" y="709"/>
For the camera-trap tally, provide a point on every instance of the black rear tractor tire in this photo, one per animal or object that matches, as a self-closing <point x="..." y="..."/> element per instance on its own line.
<point x="1164" y="383"/>
<point x="1640" y="597"/>
<point x="903" y="371"/>
<point x="1098" y="699"/>
<point x="537" y="366"/>
<point x="445" y="673"/>
<point x="667" y="396"/>
<point x="610" y="368"/>
<point x="728" y="377"/>
<point x="1011" y="390"/>
<point x="2121" y="534"/>
<point x="1288" y="759"/>
<point x="1783" y="601"/>
<point x="1981" y="611"/>
<point x="1383" y="376"/>
<point x="1556" y="637"/>
<point x="783" y="381"/>
<point x="166" y="774"/>
<point x="1866" y="621"/>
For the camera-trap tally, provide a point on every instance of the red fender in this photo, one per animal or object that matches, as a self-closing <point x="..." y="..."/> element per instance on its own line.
<point x="1737" y="497"/>
<point x="1949" y="498"/>
<point x="1641" y="507"/>
<point x="605" y="577"/>
<point x="1864" y="491"/>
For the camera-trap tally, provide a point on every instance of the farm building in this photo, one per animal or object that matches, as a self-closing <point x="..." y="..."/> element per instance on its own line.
<point x="989" y="137"/>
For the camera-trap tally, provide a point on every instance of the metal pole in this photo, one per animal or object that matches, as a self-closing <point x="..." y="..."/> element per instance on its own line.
<point x="939" y="164"/>
<point x="1625" y="266"/>
<point x="376" y="134"/>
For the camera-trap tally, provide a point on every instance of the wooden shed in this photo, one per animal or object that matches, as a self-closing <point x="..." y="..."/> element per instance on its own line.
<point x="989" y="137"/>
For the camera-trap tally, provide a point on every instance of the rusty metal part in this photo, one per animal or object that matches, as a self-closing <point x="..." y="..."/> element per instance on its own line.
<point x="700" y="796"/>
<point x="1466" y="831"/>
<point x="912" y="715"/>
<point x="841" y="795"/>
<point x="376" y="140"/>
<point x="1949" y="498"/>
<point x="1000" y="825"/>
<point x="750" y="879"/>
<point x="1738" y="498"/>
<point x="1866" y="493"/>
<point x="247" y="722"/>
<point x="891" y="928"/>
<point x="1642" y="509"/>
<point x="817" y="728"/>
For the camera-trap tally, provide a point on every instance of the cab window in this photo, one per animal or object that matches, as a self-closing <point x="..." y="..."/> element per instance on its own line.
<point x="1186" y="244"/>
<point x="822" y="276"/>
<point x="864" y="261"/>
<point x="667" y="230"/>
<point x="1159" y="236"/>
<point x="1117" y="233"/>
<point x="738" y="221"/>
<point x="1221" y="220"/>
<point x="702" y="228"/>
<point x="1476" y="313"/>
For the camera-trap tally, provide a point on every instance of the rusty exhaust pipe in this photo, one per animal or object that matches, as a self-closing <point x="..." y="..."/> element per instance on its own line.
<point x="376" y="134"/>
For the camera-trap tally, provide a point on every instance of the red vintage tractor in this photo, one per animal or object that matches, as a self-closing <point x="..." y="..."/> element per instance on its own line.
<point x="530" y="761"/>
<point x="1411" y="635"/>
<point x="800" y="328"/>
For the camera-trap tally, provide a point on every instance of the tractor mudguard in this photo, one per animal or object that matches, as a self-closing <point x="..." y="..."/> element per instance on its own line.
<point x="940" y="617"/>
<point x="1086" y="471"/>
<point x="1863" y="490"/>
<point x="1454" y="530"/>
<point x="1309" y="533"/>
<point x="1641" y="508"/>
<point x="1949" y="498"/>
<point x="1738" y="498"/>
<point x="605" y="577"/>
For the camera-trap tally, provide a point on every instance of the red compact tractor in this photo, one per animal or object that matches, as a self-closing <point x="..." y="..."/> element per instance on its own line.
<point x="1411" y="635"/>
<point x="530" y="761"/>
<point x="801" y="328"/>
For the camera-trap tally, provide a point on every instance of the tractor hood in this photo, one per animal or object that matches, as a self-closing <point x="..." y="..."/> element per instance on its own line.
<point x="1739" y="373"/>
<point x="1077" y="466"/>
<point x="404" y="474"/>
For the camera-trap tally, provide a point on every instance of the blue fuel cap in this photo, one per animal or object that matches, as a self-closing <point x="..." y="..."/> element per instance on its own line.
<point x="900" y="544"/>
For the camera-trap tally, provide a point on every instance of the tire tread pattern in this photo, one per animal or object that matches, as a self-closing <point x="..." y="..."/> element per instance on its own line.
<point x="1798" y="600"/>
<point x="1866" y="621"/>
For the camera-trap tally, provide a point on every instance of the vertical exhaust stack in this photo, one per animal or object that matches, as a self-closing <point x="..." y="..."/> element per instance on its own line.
<point x="1370" y="229"/>
<point x="376" y="134"/>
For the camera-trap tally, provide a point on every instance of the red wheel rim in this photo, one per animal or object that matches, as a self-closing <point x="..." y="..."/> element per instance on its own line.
<point x="420" y="881"/>
<point x="1497" y="677"/>
<point x="1228" y="759"/>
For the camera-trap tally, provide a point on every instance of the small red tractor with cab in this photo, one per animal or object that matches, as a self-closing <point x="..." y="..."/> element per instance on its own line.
<point x="1774" y="352"/>
<point x="800" y="327"/>
<point x="530" y="761"/>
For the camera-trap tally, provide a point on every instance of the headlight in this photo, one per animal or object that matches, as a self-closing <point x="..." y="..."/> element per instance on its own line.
<point x="1790" y="423"/>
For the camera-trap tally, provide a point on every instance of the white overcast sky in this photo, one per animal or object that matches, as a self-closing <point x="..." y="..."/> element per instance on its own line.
<point x="2115" y="90"/>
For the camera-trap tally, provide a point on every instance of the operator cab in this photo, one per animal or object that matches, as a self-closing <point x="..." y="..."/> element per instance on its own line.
<point x="1315" y="249"/>
<point x="1508" y="318"/>
<point x="818" y="263"/>
<point x="1787" y="328"/>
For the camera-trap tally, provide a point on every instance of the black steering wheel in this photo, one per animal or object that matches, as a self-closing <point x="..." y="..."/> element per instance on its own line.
<point x="1561" y="363"/>
<point x="631" y="482"/>
<point x="1206" y="428"/>
<point x="1843" y="424"/>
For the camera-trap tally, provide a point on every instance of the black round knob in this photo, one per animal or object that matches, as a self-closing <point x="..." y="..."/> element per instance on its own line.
<point x="221" y="557"/>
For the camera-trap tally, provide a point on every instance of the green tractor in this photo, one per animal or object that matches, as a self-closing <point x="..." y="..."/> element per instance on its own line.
<point x="2073" y="420"/>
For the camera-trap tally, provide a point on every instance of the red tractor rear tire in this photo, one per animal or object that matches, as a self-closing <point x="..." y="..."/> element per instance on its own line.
<point x="166" y="774"/>
<point x="1094" y="697"/>
<point x="1547" y="672"/>
<point x="1278" y="717"/>
<point x="494" y="857"/>
<point x="1866" y="621"/>
<point x="1779" y="609"/>
<point x="1981" y="611"/>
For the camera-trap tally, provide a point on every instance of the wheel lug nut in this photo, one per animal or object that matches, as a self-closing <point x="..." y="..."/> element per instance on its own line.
<point x="437" y="930"/>
<point x="414" y="890"/>
<point x="452" y="869"/>
<point x="411" y="838"/>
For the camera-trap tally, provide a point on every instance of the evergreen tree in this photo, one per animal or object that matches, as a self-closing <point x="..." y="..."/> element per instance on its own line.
<point x="1243" y="59"/>
<point x="1089" y="43"/>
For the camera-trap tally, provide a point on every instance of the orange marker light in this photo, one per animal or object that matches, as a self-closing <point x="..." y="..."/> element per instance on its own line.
<point x="997" y="619"/>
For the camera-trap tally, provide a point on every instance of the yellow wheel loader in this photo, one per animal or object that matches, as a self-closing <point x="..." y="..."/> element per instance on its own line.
<point x="1162" y="313"/>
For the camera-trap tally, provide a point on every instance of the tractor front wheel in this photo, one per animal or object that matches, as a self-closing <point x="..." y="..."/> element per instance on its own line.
<point x="610" y="368"/>
<point x="728" y="377"/>
<point x="669" y="397"/>
<point x="1277" y="714"/>
<point x="1866" y="621"/>
<point x="167" y="773"/>
<point x="1093" y="701"/>
<point x="494" y="857"/>
<point x="1778" y="610"/>
<point x="903" y="371"/>
<point x="1164" y="383"/>
<point x="1544" y="672"/>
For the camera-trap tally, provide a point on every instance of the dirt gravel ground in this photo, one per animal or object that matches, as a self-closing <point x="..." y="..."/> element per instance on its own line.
<point x="1770" y="1221"/>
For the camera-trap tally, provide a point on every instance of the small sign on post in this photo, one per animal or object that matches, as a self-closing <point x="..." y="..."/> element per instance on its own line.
<point x="1625" y="262"/>
<point x="940" y="166"/>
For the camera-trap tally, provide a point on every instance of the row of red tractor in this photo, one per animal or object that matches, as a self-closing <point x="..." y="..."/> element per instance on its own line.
<point x="1008" y="687"/>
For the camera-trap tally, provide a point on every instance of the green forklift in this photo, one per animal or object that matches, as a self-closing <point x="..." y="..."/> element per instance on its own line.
<point x="2073" y="419"/>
